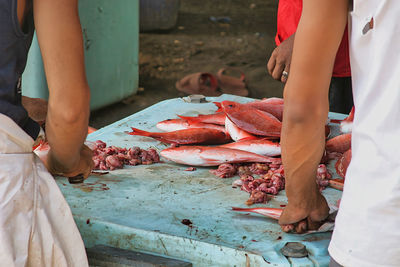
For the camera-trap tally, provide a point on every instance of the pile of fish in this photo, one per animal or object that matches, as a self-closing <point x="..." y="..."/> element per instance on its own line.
<point x="231" y="122"/>
<point x="245" y="139"/>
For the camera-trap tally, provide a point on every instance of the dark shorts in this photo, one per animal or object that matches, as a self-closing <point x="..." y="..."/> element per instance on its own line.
<point x="340" y="95"/>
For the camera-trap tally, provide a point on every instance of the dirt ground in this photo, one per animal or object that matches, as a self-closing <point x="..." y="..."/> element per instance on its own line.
<point x="198" y="44"/>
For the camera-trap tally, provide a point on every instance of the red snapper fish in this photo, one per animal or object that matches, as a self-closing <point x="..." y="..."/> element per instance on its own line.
<point x="172" y="125"/>
<point x="273" y="213"/>
<point x="268" y="106"/>
<point x="260" y="146"/>
<point x="216" y="118"/>
<point x="212" y="156"/>
<point x="272" y="105"/>
<point x="236" y="133"/>
<point x="340" y="143"/>
<point x="186" y="136"/>
<point x="273" y="100"/>
<point x="252" y="120"/>
<point x="181" y="124"/>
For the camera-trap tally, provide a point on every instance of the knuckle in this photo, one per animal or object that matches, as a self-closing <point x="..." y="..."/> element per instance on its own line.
<point x="280" y="61"/>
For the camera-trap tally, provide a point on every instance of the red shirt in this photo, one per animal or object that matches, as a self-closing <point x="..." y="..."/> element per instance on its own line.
<point x="289" y="12"/>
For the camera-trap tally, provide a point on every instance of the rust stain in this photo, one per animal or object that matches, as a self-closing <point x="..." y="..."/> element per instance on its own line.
<point x="86" y="189"/>
<point x="99" y="185"/>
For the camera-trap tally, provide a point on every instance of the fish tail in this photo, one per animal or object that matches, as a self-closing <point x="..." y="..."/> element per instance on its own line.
<point x="273" y="213"/>
<point x="136" y="131"/>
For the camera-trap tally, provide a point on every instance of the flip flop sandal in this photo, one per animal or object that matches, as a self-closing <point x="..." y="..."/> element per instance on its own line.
<point x="232" y="85"/>
<point x="200" y="83"/>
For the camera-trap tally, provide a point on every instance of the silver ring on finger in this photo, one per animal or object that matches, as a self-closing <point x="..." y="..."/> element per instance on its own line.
<point x="285" y="74"/>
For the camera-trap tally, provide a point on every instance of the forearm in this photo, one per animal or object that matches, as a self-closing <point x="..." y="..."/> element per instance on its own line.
<point x="60" y="39"/>
<point x="306" y="95"/>
<point x="66" y="133"/>
<point x="302" y="145"/>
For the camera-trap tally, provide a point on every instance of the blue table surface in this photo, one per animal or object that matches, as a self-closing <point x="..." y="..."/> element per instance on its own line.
<point x="141" y="207"/>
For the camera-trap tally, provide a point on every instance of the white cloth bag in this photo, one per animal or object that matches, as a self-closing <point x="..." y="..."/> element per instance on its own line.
<point x="36" y="224"/>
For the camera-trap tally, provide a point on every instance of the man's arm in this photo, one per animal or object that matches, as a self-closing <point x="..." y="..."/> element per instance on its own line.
<point x="317" y="39"/>
<point x="60" y="40"/>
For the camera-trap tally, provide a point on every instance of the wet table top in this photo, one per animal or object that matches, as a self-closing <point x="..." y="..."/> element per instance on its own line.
<point x="141" y="207"/>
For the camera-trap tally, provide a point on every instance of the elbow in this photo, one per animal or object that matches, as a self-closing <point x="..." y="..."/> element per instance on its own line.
<point x="304" y="114"/>
<point x="303" y="111"/>
<point x="75" y="116"/>
<point x="72" y="111"/>
<point x="78" y="113"/>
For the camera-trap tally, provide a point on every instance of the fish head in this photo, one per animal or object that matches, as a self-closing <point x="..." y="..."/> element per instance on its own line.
<point x="230" y="106"/>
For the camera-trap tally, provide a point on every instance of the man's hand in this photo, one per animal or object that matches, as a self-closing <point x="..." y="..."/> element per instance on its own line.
<point x="304" y="214"/>
<point x="83" y="166"/>
<point x="36" y="107"/>
<point x="280" y="60"/>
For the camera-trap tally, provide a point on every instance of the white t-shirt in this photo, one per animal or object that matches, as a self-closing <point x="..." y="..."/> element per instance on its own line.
<point x="367" y="231"/>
